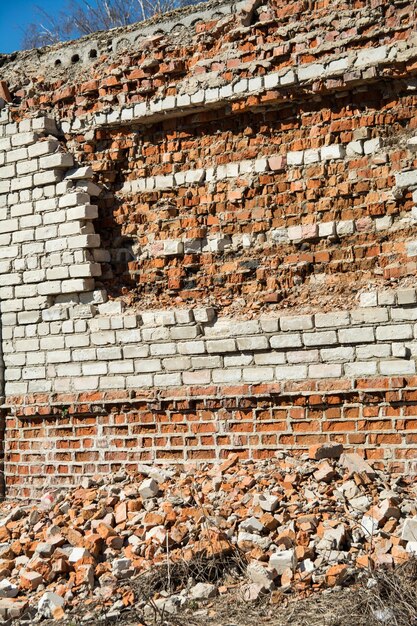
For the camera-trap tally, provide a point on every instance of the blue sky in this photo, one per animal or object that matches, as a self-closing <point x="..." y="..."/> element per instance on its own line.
<point x="16" y="14"/>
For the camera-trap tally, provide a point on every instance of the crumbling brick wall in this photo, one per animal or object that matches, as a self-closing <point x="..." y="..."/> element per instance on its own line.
<point x="207" y="240"/>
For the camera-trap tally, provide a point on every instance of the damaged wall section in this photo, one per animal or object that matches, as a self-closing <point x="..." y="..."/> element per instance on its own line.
<point x="207" y="243"/>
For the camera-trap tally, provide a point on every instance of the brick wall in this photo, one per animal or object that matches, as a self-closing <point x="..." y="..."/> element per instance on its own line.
<point x="207" y="242"/>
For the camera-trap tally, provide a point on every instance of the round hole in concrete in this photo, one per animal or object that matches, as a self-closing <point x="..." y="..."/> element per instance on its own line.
<point x="75" y="58"/>
<point x="58" y="62"/>
<point x="92" y="54"/>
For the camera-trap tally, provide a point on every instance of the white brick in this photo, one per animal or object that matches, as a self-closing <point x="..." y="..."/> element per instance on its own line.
<point x="369" y="56"/>
<point x="412" y="248"/>
<point x="84" y="212"/>
<point x="361" y="368"/>
<point x="354" y="148"/>
<point x="252" y="343"/>
<point x="155" y="334"/>
<point x="167" y="380"/>
<point x="57" y="160"/>
<point x="103" y="338"/>
<point x="204" y="315"/>
<point x="320" y="338"/>
<point x="295" y="158"/>
<point x="241" y="86"/>
<point x="334" y="151"/>
<point x="80" y="173"/>
<point x="173" y="247"/>
<point x="59" y="356"/>
<point x="284" y="341"/>
<point x="384" y="223"/>
<point x="12" y="389"/>
<point x="288" y="78"/>
<point x="77" y="284"/>
<point x="271" y="325"/>
<point x="31" y="373"/>
<point x="405" y="179"/>
<point x="8" y="171"/>
<point x="377" y="315"/>
<point x="176" y="364"/>
<point x="191" y="347"/>
<point x="202" y="362"/>
<point x="184" y="316"/>
<point x="255" y="83"/>
<point x="406" y="296"/>
<point x="53" y="342"/>
<point x="184" y="332"/>
<point x="270" y="358"/>
<point x="404" y="315"/>
<point x="302" y="356"/>
<point x="131" y="335"/>
<point x="368" y="298"/>
<point x="395" y="368"/>
<point x="337" y="354"/>
<point x="83" y="241"/>
<point x="145" y="380"/>
<point x="16" y="155"/>
<point x="94" y="369"/>
<point x="215" y="346"/>
<point x="47" y="178"/>
<point x="43" y="147"/>
<point x="108" y="354"/>
<point x="372" y="145"/>
<point x="164" y="318"/>
<point x="225" y="376"/>
<point x="112" y="382"/>
<point x="395" y="332"/>
<point x="291" y="372"/>
<point x="144" y="366"/>
<point x="258" y="374"/>
<point x="298" y="322"/>
<point x="310" y="71"/>
<point x="271" y="80"/>
<point x="323" y="320"/>
<point x="376" y="351"/>
<point x="345" y="227"/>
<point x="163" y="349"/>
<point x="356" y="335"/>
<point x="311" y="156"/>
<point x="321" y="370"/>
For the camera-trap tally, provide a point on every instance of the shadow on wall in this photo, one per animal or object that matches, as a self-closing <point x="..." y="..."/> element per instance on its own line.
<point x="117" y="249"/>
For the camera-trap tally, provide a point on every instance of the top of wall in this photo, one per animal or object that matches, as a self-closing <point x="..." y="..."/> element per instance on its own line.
<point x="67" y="58"/>
<point x="215" y="44"/>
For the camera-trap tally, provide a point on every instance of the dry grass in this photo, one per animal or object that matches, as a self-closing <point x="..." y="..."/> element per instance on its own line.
<point x="385" y="597"/>
<point x="390" y="596"/>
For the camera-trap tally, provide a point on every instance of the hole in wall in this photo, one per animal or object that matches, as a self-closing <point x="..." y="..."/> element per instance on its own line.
<point x="92" y="54"/>
<point x="58" y="62"/>
<point x="75" y="58"/>
<point x="177" y="28"/>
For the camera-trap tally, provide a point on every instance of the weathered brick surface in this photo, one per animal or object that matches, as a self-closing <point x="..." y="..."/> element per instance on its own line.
<point x="207" y="240"/>
<point x="101" y="432"/>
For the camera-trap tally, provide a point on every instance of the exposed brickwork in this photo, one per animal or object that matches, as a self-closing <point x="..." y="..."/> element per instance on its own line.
<point x="101" y="435"/>
<point x="233" y="169"/>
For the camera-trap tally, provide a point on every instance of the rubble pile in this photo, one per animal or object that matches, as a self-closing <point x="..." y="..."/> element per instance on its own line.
<point x="290" y="524"/>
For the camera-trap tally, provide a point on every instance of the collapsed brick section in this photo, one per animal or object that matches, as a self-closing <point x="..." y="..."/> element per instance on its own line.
<point x="252" y="162"/>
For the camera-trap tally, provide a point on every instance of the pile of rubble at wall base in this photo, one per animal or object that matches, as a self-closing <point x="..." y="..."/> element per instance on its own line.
<point x="293" y="524"/>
